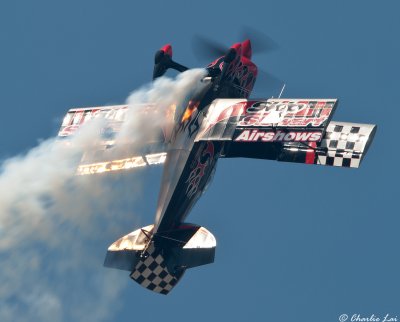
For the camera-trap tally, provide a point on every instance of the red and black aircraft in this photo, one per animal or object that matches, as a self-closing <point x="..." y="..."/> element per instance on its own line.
<point x="218" y="121"/>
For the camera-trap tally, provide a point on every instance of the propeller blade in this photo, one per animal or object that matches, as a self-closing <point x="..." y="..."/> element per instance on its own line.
<point x="267" y="81"/>
<point x="260" y="42"/>
<point x="207" y="49"/>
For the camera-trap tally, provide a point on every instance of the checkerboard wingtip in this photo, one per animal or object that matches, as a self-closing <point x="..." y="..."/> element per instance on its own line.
<point x="345" y="144"/>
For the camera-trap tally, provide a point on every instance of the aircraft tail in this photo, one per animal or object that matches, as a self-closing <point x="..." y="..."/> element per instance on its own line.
<point x="157" y="262"/>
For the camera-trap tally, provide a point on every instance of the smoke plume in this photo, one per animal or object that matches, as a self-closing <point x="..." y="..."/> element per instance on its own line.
<point x="55" y="227"/>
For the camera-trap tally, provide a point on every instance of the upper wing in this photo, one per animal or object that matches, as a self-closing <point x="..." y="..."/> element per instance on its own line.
<point x="106" y="153"/>
<point x="292" y="130"/>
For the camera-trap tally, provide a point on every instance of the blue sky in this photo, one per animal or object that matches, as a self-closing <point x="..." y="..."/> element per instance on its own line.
<point x="295" y="242"/>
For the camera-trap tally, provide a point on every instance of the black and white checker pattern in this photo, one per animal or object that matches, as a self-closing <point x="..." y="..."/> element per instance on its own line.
<point x="343" y="144"/>
<point x="339" y="158"/>
<point x="153" y="274"/>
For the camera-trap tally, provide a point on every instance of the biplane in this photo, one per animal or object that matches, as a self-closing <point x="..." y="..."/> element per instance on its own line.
<point x="218" y="121"/>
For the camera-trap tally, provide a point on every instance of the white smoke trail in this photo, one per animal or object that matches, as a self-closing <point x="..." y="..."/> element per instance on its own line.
<point x="55" y="227"/>
<point x="162" y="94"/>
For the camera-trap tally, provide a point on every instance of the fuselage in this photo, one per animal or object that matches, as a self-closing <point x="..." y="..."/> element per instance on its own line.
<point x="181" y="185"/>
<point x="190" y="165"/>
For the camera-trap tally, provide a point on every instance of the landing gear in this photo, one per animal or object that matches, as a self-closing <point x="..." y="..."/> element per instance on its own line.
<point x="144" y="253"/>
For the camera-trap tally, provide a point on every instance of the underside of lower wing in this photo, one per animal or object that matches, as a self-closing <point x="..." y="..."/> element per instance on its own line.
<point x="109" y="151"/>
<point x="290" y="130"/>
<point x="343" y="145"/>
<point x="89" y="166"/>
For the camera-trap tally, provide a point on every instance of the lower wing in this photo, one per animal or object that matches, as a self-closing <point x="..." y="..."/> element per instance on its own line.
<point x="107" y="154"/>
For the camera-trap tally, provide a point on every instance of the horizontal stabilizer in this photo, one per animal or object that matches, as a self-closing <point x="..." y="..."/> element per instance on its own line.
<point x="158" y="261"/>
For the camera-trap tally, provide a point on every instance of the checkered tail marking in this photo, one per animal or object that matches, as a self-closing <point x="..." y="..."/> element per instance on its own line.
<point x="153" y="274"/>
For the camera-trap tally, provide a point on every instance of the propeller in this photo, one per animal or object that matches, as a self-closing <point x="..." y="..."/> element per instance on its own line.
<point x="207" y="49"/>
<point x="260" y="42"/>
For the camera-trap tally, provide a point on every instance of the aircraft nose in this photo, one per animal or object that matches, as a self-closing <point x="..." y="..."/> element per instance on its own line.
<point x="246" y="49"/>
